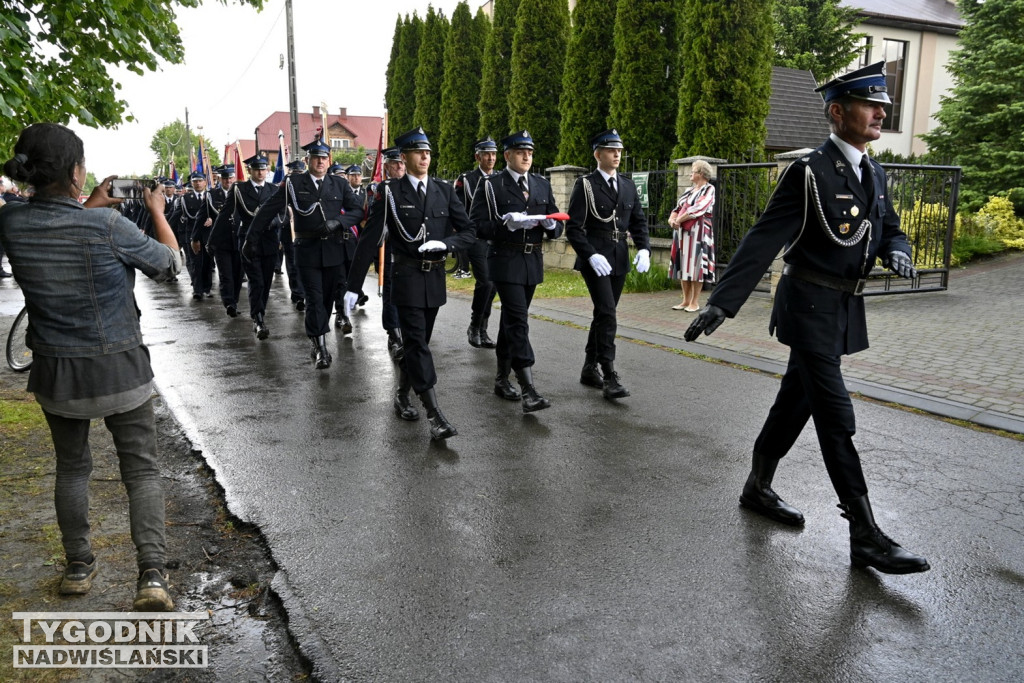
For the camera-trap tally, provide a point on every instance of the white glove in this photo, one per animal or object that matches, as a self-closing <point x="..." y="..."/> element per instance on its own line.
<point x="600" y="265"/>
<point x="517" y="221"/>
<point x="549" y="224"/>
<point x="433" y="245"/>
<point x="642" y="261"/>
<point x="350" y="300"/>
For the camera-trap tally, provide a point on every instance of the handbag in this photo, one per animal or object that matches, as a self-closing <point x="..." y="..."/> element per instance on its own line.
<point x="685" y="226"/>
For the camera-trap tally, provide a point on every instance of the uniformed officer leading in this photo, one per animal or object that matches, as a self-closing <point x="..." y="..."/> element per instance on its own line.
<point x="515" y="262"/>
<point x="197" y="214"/>
<point x="486" y="153"/>
<point x="819" y="309"/>
<point x="422" y="219"/>
<point x="323" y="209"/>
<point x="603" y="208"/>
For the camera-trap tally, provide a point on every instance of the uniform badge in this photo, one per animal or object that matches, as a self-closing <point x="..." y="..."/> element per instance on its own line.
<point x="844" y="228"/>
<point x="855" y="211"/>
<point x="840" y="165"/>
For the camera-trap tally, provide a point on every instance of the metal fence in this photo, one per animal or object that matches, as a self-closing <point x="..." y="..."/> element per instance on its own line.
<point x="925" y="198"/>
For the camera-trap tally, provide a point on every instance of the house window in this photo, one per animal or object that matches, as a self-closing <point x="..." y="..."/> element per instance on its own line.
<point x="340" y="143"/>
<point x="865" y="52"/>
<point x="895" y="55"/>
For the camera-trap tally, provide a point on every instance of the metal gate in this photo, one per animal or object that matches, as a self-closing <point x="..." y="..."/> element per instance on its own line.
<point x="925" y="198"/>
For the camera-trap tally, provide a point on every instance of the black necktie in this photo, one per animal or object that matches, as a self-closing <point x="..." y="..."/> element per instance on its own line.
<point x="865" y="177"/>
<point x="611" y="184"/>
<point x="522" y="186"/>
<point x="421" y="191"/>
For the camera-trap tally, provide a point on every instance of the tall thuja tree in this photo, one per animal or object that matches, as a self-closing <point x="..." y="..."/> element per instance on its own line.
<point x="430" y="75"/>
<point x="463" y="58"/>
<point x="583" y="108"/>
<point x="726" y="58"/>
<point x="402" y="112"/>
<point x="389" y="84"/>
<point x="644" y="82"/>
<point x="497" y="73"/>
<point x="982" y="119"/>
<point x="538" y="59"/>
<point x="815" y="35"/>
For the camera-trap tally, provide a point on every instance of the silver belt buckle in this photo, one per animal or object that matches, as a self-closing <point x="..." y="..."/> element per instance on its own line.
<point x="859" y="289"/>
<point x="527" y="248"/>
<point x="426" y="266"/>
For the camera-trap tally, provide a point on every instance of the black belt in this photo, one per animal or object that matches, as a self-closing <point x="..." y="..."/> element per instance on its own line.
<point x="343" y="234"/>
<point x="424" y="265"/>
<point x="521" y="248"/>
<point x="614" y="235"/>
<point x="855" y="287"/>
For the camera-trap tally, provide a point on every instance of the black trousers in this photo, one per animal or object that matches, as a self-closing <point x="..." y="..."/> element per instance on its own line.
<point x="813" y="387"/>
<point x="514" y="329"/>
<point x="320" y="286"/>
<point x="484" y="291"/>
<point x="604" y="293"/>
<point x="202" y="269"/>
<point x="229" y="272"/>
<point x="287" y="254"/>
<point x="260" y="272"/>
<point x="417" y="325"/>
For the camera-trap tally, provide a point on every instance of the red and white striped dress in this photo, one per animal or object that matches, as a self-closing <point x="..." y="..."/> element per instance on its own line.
<point x="693" y="251"/>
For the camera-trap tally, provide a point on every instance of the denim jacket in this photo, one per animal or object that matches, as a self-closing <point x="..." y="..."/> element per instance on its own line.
<point x="76" y="267"/>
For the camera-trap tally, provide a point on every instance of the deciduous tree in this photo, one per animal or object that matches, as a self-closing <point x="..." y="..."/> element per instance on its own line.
<point x="56" y="56"/>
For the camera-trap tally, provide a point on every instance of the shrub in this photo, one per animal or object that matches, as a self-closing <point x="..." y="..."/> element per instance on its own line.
<point x="998" y="218"/>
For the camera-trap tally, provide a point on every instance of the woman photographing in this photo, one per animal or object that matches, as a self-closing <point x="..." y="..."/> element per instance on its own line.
<point x="76" y="267"/>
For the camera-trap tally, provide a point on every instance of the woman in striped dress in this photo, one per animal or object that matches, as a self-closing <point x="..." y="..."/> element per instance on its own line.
<point x="693" y="240"/>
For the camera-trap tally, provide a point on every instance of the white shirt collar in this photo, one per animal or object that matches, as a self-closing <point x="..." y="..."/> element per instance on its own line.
<point x="515" y="176"/>
<point x="415" y="182"/>
<point x="851" y="153"/>
<point x="606" y="176"/>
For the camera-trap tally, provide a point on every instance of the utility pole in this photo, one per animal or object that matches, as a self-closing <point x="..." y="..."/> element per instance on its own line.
<point x="293" y="101"/>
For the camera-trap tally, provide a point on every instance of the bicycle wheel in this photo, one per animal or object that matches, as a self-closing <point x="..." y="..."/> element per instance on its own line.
<point x="19" y="356"/>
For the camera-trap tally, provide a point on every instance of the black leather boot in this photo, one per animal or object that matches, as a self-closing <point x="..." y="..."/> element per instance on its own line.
<point x="503" y="387"/>
<point x="323" y="356"/>
<point x="395" y="347"/>
<point x="259" y="327"/>
<point x="314" y="350"/>
<point x="591" y="374"/>
<point x="758" y="494"/>
<point x="869" y="547"/>
<point x="532" y="401"/>
<point x="473" y="332"/>
<point x="403" y="408"/>
<point x="440" y="428"/>
<point x="485" y="341"/>
<point x="612" y="387"/>
<point x="343" y="323"/>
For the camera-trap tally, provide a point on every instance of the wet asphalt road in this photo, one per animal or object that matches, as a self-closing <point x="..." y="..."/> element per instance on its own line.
<point x="594" y="540"/>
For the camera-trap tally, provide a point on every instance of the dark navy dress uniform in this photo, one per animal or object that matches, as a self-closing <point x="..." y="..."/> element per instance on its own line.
<point x="599" y="220"/>
<point x="322" y="213"/>
<point x="484" y="291"/>
<point x="417" y="279"/>
<point x="196" y="208"/>
<point x="287" y="254"/>
<point x="819" y="311"/>
<point x="232" y="226"/>
<point x="515" y="261"/>
<point x="225" y="251"/>
<point x="817" y="322"/>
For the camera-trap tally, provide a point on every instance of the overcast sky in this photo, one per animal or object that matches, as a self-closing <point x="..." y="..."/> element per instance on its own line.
<point x="232" y="80"/>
